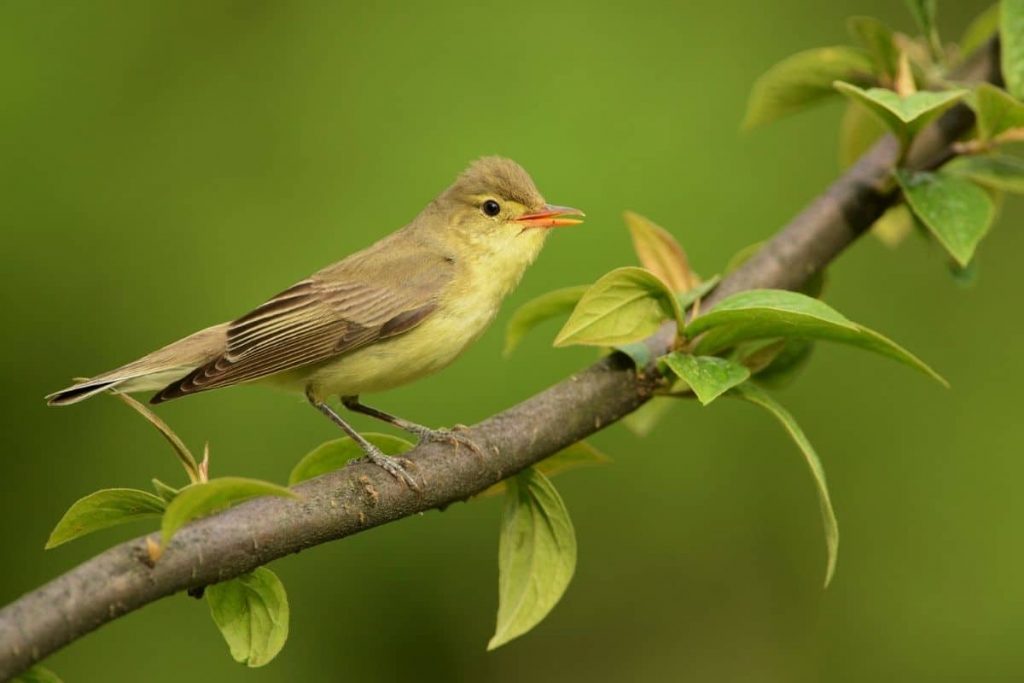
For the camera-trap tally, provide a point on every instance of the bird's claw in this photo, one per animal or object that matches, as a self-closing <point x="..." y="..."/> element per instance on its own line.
<point x="455" y="436"/>
<point x="392" y="465"/>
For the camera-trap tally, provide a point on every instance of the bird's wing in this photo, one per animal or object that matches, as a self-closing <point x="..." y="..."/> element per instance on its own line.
<point x="331" y="313"/>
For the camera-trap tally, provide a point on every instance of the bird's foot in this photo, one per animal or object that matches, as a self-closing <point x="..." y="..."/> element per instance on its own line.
<point x="392" y="465"/>
<point x="455" y="436"/>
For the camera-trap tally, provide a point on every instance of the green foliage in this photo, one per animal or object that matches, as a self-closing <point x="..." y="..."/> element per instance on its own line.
<point x="535" y="311"/>
<point x="961" y="220"/>
<point x="787" y="358"/>
<point x="998" y="112"/>
<point x="1011" y="38"/>
<point x="995" y="171"/>
<point x="580" y="454"/>
<point x="708" y="376"/>
<point x="752" y="393"/>
<point x="251" y="612"/>
<point x="924" y="15"/>
<point x="536" y="555"/>
<point x="165" y="491"/>
<point x="660" y="253"/>
<point x="624" y="306"/>
<point x="956" y="211"/>
<point x="333" y="455"/>
<point x="688" y="298"/>
<point x="102" y="509"/>
<point x="804" y="79"/>
<point x="200" y="500"/>
<point x="877" y="39"/>
<point x="980" y="30"/>
<point x="903" y="116"/>
<point x="37" y="674"/>
<point x="769" y="313"/>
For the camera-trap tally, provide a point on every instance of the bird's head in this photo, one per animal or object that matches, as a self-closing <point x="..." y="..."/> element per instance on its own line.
<point x="495" y="208"/>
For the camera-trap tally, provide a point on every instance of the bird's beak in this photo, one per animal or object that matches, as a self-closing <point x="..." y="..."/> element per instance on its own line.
<point x="550" y="217"/>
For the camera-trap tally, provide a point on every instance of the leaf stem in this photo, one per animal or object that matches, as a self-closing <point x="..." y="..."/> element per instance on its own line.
<point x="196" y="474"/>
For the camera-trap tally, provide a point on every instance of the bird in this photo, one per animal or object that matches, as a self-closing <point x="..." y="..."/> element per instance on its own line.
<point x="401" y="309"/>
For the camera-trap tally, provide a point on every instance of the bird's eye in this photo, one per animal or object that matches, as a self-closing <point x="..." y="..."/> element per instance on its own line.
<point x="490" y="208"/>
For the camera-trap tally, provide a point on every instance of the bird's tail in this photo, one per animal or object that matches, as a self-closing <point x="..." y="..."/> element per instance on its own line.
<point x="151" y="372"/>
<point x="81" y="391"/>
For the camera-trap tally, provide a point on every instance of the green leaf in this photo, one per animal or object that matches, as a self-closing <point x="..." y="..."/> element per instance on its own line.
<point x="624" y="306"/>
<point x="660" y="253"/>
<point x="535" y="311"/>
<point x="754" y="394"/>
<point x="335" y="454"/>
<point x="997" y="111"/>
<point x="580" y="454"/>
<point x="786" y="364"/>
<point x="708" y="376"/>
<point x="200" y="500"/>
<point x="536" y="555"/>
<point x="251" y="612"/>
<point x="165" y="491"/>
<point x="924" y="15"/>
<point x="904" y="116"/>
<point x="37" y="674"/>
<point x="956" y="211"/>
<point x="859" y="129"/>
<point x="804" y="79"/>
<point x="877" y="39"/>
<point x="1011" y="45"/>
<point x="983" y="27"/>
<point x="688" y="298"/>
<point x="997" y="171"/>
<point x="758" y="354"/>
<point x="102" y="509"/>
<point x="769" y="313"/>
<point x="644" y="419"/>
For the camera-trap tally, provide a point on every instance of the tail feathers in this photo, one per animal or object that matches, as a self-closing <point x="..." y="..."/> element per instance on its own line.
<point x="82" y="391"/>
<point x="151" y="372"/>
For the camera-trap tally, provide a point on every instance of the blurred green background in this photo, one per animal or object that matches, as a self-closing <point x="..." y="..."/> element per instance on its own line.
<point x="166" y="166"/>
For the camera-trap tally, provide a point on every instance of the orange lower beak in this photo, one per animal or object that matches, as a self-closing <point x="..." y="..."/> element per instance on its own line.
<point x="550" y="217"/>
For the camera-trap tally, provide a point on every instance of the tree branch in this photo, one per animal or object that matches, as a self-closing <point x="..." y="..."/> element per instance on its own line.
<point x="360" y="497"/>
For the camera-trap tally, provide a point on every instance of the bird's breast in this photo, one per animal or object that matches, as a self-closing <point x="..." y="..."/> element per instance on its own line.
<point x="465" y="309"/>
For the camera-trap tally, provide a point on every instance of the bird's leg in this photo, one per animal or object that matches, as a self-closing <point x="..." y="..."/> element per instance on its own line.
<point x="388" y="463"/>
<point x="452" y="436"/>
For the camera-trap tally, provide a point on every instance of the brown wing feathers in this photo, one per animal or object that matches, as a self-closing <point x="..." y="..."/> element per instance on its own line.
<point x="307" y="323"/>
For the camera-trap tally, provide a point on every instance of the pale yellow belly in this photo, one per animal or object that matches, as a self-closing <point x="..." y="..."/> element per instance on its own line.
<point x="383" y="365"/>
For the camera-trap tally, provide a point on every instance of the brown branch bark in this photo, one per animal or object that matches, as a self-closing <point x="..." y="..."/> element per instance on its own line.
<point x="340" y="503"/>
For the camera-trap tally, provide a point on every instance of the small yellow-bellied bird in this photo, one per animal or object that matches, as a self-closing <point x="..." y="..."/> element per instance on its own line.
<point x="401" y="309"/>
